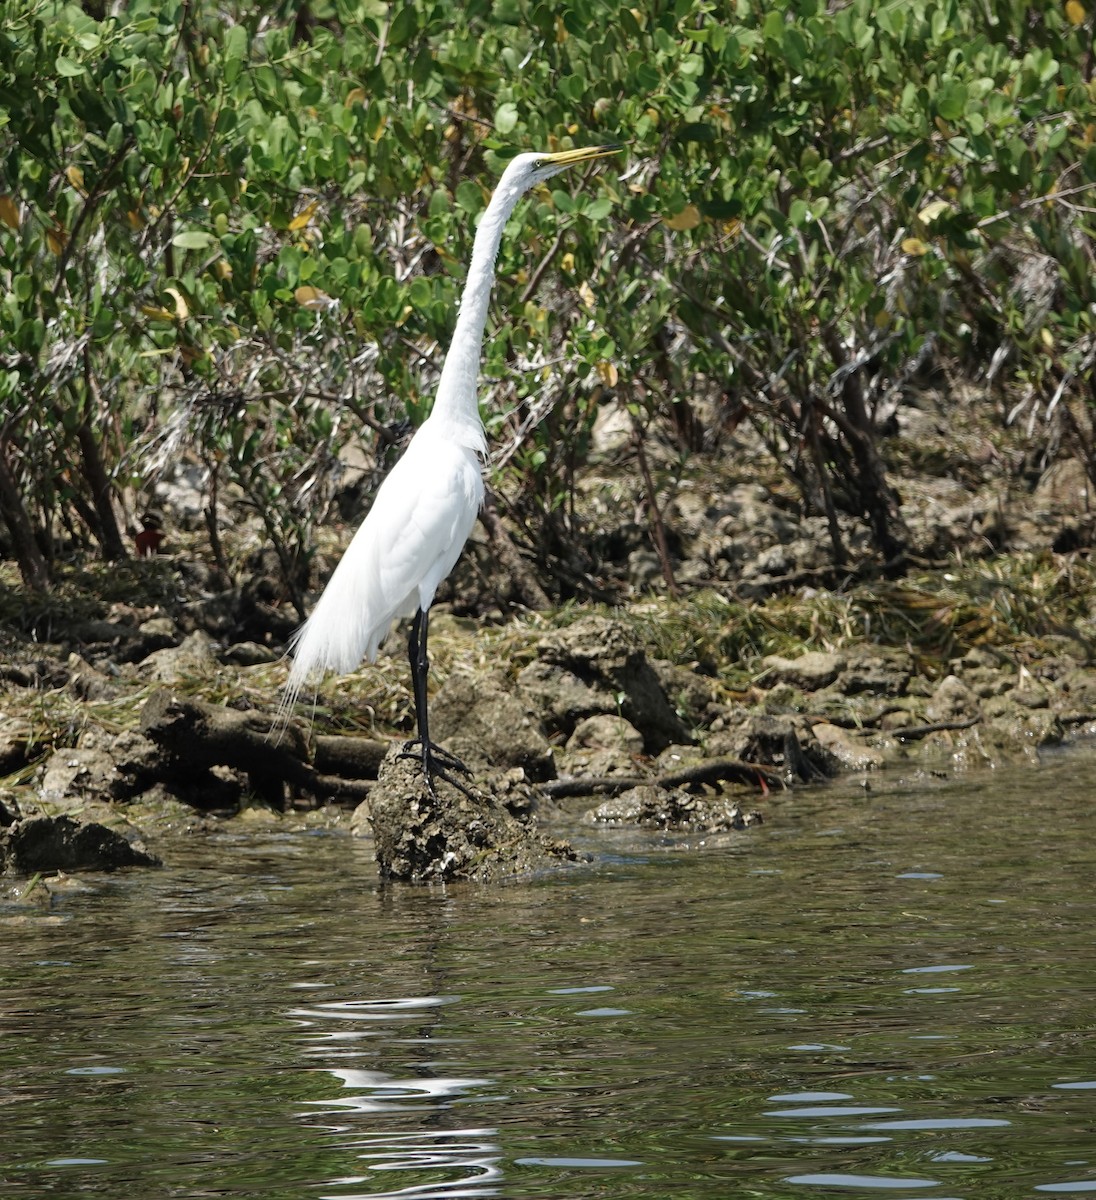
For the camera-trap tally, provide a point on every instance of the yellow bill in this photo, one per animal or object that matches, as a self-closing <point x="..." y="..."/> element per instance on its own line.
<point x="566" y="158"/>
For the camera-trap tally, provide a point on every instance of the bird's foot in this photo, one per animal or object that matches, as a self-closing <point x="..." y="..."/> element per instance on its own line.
<point x="437" y="762"/>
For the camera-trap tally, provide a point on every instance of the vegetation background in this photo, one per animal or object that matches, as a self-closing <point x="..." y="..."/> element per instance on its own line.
<point x="232" y="235"/>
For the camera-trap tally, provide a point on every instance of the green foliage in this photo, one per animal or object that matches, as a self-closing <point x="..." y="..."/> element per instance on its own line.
<point x="243" y="230"/>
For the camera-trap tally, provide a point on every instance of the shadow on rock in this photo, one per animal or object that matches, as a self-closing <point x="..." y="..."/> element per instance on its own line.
<point x="598" y="666"/>
<point x="66" y="844"/>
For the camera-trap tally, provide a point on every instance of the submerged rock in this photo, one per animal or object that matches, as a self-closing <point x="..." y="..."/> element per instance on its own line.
<point x="486" y="834"/>
<point x="672" y="808"/>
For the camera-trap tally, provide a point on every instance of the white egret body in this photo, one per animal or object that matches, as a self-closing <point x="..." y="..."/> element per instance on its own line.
<point x="426" y="507"/>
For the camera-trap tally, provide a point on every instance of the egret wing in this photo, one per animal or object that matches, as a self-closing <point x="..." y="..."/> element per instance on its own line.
<point x="407" y="544"/>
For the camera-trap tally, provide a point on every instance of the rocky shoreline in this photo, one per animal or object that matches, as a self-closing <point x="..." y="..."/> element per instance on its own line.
<point x="549" y="712"/>
<point x="141" y="700"/>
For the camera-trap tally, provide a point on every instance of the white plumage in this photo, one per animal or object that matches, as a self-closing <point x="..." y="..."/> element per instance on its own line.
<point x="427" y="505"/>
<point x="407" y="544"/>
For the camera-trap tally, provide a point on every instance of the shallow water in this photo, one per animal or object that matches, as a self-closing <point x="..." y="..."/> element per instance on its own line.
<point x="886" y="994"/>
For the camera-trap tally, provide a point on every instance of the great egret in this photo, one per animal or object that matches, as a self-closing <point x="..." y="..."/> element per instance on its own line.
<point x="425" y="509"/>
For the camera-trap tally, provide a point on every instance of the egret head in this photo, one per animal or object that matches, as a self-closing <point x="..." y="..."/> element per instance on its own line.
<point x="528" y="169"/>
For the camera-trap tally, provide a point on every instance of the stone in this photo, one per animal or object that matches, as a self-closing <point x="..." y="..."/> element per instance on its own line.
<point x="16" y="737"/>
<point x="503" y="728"/>
<point x="952" y="700"/>
<point x="606" y="732"/>
<point x="193" y="656"/>
<point x="63" y="843"/>
<point x="810" y="671"/>
<point x="598" y="665"/>
<point x="656" y="807"/>
<point x="74" y="777"/>
<point x="485" y="832"/>
<point x="848" y="748"/>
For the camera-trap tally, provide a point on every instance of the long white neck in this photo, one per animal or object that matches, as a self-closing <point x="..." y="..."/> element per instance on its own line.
<point x="456" y="401"/>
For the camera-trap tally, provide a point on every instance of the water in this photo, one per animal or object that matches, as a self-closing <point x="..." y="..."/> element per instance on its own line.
<point x="886" y="995"/>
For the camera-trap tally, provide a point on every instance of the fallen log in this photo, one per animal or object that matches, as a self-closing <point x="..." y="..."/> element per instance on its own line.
<point x="349" y="757"/>
<point x="196" y="737"/>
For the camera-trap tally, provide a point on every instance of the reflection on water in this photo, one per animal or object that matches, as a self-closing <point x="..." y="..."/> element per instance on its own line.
<point x="451" y="1161"/>
<point x="893" y="994"/>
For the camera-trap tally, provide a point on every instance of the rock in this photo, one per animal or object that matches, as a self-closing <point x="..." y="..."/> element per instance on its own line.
<point x="952" y="700"/>
<point x="98" y="632"/>
<point x="672" y="808"/>
<point x="86" y="682"/>
<point x="455" y="836"/>
<point x="193" y="656"/>
<point x="691" y="689"/>
<point x="157" y="633"/>
<point x="810" y="671"/>
<point x="65" y="844"/>
<point x="360" y="824"/>
<point x="602" y="746"/>
<point x="597" y="665"/>
<point x="1078" y="688"/>
<point x="1065" y="485"/>
<point x="138" y="763"/>
<point x="503" y="728"/>
<point x="74" y="777"/>
<point x="249" y="654"/>
<point x="879" y="671"/>
<point x="16" y="737"/>
<point x="613" y="429"/>
<point x="161" y="628"/>
<point x="848" y="747"/>
<point x="1014" y="736"/>
<point x="561" y="697"/>
<point x="605" y="732"/>
<point x="218" y="614"/>
<point x="644" y="570"/>
<point x="786" y="741"/>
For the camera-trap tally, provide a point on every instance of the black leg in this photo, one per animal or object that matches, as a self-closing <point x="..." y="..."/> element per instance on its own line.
<point x="435" y="760"/>
<point x="420" y="667"/>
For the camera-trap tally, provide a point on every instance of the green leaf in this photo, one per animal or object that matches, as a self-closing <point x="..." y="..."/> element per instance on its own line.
<point x="951" y="100"/>
<point x="193" y="239"/>
<point x="404" y="25"/>
<point x="697" y="131"/>
<point x="68" y="67"/>
<point x="469" y="196"/>
<point x="506" y="118"/>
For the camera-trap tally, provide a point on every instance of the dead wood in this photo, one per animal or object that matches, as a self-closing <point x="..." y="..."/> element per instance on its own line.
<point x="349" y="757"/>
<point x="914" y="733"/>
<point x="196" y="737"/>
<point x="712" y="770"/>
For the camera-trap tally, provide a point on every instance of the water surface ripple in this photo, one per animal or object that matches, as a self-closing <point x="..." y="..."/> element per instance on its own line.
<point x="883" y="995"/>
